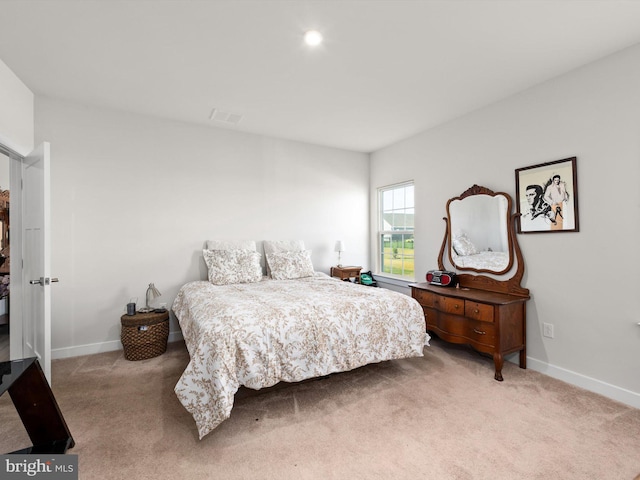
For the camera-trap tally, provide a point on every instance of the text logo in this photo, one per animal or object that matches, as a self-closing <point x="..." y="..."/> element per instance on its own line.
<point x="50" y="467"/>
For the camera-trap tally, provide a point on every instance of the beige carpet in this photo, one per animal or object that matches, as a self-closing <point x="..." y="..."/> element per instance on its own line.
<point x="438" y="417"/>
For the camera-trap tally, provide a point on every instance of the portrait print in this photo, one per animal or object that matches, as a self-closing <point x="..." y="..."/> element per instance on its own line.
<point x="547" y="197"/>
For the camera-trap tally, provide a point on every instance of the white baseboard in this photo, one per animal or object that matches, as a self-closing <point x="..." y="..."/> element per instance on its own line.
<point x="610" y="391"/>
<point x="93" y="348"/>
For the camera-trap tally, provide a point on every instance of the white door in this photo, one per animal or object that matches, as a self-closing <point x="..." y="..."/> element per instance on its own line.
<point x="36" y="232"/>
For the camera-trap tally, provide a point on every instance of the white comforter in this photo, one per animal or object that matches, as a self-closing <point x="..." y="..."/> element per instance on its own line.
<point x="258" y="334"/>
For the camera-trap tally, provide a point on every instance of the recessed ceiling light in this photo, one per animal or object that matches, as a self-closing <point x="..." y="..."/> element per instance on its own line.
<point x="313" y="38"/>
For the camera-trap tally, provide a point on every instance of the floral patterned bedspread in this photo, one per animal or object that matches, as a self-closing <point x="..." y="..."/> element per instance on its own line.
<point x="258" y="334"/>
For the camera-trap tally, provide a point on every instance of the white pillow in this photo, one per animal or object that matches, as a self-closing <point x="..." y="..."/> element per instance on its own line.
<point x="463" y="246"/>
<point x="233" y="266"/>
<point x="290" y="265"/>
<point x="231" y="245"/>
<point x="278" y="246"/>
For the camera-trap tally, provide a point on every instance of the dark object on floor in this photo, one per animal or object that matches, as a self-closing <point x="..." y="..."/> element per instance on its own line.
<point x="36" y="406"/>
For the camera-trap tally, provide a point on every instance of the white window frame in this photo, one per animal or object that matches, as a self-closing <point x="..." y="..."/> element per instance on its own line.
<point x="381" y="231"/>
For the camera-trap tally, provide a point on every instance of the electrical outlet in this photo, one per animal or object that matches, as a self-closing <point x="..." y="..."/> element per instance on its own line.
<point x="547" y="330"/>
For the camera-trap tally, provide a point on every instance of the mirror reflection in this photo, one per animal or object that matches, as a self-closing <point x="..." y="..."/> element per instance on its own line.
<point x="479" y="233"/>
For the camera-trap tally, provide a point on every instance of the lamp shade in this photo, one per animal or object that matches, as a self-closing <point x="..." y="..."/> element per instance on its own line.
<point x="340" y="246"/>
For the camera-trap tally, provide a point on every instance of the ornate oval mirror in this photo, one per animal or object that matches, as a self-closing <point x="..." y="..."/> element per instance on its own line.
<point x="479" y="232"/>
<point x="480" y="237"/>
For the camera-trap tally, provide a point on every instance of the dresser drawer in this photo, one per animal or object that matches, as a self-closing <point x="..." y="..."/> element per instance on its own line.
<point x="453" y="324"/>
<point x="439" y="302"/>
<point x="426" y="299"/>
<point x="431" y="317"/>
<point x="481" y="332"/>
<point x="450" y="305"/>
<point x="478" y="311"/>
<point x="462" y="330"/>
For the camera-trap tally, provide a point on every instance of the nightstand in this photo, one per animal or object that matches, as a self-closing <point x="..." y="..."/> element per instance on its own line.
<point x="346" y="273"/>
<point x="144" y="335"/>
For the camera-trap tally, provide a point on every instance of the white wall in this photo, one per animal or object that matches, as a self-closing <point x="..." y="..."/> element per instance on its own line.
<point x="134" y="198"/>
<point x="4" y="172"/>
<point x="592" y="113"/>
<point x="16" y="114"/>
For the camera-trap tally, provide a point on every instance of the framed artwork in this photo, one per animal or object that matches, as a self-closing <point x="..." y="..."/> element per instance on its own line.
<point x="547" y="197"/>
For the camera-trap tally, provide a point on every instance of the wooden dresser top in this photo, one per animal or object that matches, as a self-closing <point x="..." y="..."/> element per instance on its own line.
<point x="474" y="294"/>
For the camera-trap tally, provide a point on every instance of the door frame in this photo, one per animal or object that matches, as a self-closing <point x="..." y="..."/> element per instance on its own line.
<point x="36" y="256"/>
<point x="16" y="341"/>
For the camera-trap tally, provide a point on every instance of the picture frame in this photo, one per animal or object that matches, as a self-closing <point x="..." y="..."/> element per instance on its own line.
<point x="547" y="197"/>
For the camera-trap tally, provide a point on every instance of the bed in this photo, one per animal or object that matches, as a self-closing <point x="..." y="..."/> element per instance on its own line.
<point x="494" y="261"/>
<point x="280" y="329"/>
<point x="465" y="254"/>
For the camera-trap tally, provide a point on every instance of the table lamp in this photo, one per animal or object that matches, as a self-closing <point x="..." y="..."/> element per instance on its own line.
<point x="152" y="292"/>
<point x="339" y="248"/>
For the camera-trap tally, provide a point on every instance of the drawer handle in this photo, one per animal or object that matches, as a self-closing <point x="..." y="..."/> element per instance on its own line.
<point x="476" y="311"/>
<point x="479" y="332"/>
<point x="456" y="306"/>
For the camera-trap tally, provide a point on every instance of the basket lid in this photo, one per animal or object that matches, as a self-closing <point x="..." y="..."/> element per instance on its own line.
<point x="144" y="319"/>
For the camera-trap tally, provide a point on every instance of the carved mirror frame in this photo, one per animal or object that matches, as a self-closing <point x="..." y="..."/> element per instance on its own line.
<point x="510" y="285"/>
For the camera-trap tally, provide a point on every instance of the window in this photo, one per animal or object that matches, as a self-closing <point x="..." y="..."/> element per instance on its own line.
<point x="395" y="227"/>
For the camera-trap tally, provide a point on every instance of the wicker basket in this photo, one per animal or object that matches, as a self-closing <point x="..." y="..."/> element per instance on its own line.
<point x="144" y="335"/>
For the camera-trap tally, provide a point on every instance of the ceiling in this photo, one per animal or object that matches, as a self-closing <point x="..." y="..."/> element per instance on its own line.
<point x="386" y="70"/>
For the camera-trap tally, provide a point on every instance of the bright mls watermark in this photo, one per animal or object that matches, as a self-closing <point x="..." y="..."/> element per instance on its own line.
<point x="51" y="467"/>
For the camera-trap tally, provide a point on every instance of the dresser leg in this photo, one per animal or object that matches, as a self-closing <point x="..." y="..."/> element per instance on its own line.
<point x="523" y="358"/>
<point x="498" y="361"/>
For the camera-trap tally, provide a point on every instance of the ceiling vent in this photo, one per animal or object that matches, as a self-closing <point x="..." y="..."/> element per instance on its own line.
<point x="225" y="117"/>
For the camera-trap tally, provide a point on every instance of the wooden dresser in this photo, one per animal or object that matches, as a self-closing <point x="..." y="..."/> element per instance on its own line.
<point x="491" y="322"/>
<point x="487" y="312"/>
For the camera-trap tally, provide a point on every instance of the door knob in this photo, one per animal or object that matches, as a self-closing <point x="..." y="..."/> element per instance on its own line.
<point x="43" y="281"/>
